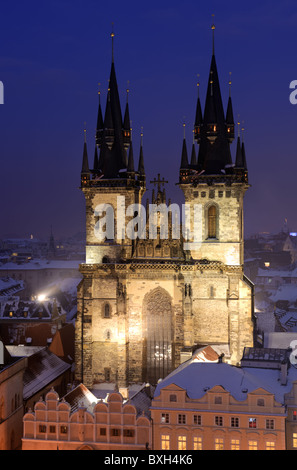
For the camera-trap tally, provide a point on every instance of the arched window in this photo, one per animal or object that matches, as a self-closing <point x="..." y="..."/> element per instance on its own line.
<point x="106" y="311"/>
<point x="212" y="222"/>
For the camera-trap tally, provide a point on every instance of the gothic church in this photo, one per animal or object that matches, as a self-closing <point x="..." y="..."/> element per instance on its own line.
<point x="144" y="305"/>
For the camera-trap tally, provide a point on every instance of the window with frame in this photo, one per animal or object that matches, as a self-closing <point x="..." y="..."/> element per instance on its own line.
<point x="253" y="445"/>
<point x="182" y="443"/>
<point x="165" y="418"/>
<point x="212" y="222"/>
<point x="218" y="399"/>
<point x="165" y="442"/>
<point x="52" y="429"/>
<point x="235" y="444"/>
<point x="269" y="423"/>
<point x="181" y="419"/>
<point x="260" y="402"/>
<point x="42" y="428"/>
<point x="197" y="443"/>
<point x="252" y="423"/>
<point x="294" y="439"/>
<point x="197" y="419"/>
<point x="63" y="429"/>
<point x="107" y="311"/>
<point x="219" y="443"/>
<point x="115" y="432"/>
<point x="128" y="433"/>
<point x="234" y="422"/>
<point x="270" y="445"/>
<point x="172" y="398"/>
<point x="294" y="415"/>
<point x="102" y="432"/>
<point x="219" y="420"/>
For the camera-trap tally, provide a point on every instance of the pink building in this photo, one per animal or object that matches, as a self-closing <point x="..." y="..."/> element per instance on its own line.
<point x="80" y="421"/>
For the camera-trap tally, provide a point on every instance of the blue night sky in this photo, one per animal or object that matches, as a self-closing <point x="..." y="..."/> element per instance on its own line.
<point x="54" y="53"/>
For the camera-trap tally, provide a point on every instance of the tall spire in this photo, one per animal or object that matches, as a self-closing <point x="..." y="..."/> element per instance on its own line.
<point x="126" y="124"/>
<point x="130" y="168"/>
<point x="85" y="165"/>
<point x="112" y="43"/>
<point x="141" y="160"/>
<point x="100" y="125"/>
<point x="184" y="158"/>
<point x="198" y="117"/>
<point x="229" y="115"/>
<point x="193" y="154"/>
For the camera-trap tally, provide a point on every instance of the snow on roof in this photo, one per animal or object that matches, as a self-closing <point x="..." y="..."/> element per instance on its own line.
<point x="43" y="368"/>
<point x="279" y="339"/>
<point x="285" y="292"/>
<point x="43" y="264"/>
<point x="197" y="378"/>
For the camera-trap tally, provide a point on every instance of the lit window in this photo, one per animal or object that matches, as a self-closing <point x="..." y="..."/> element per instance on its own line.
<point x="165" y="418"/>
<point x="235" y="444"/>
<point x="64" y="429"/>
<point x="253" y="445"/>
<point x="252" y="422"/>
<point x="197" y="443"/>
<point x="165" y="442"/>
<point x="219" y="443"/>
<point x="294" y="439"/>
<point x="294" y="415"/>
<point x="266" y="264"/>
<point x="270" y="445"/>
<point x="182" y="443"/>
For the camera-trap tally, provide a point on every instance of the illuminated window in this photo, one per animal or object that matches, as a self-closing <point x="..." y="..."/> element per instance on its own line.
<point x="182" y="443"/>
<point x="252" y="422"/>
<point x="253" y="445"/>
<point x="197" y="443"/>
<point x="235" y="444"/>
<point x="64" y="429"/>
<point x="294" y="439"/>
<point x="219" y="443"/>
<point x="267" y="264"/>
<point x="294" y="415"/>
<point x="270" y="445"/>
<point x="11" y="314"/>
<point x="165" y="442"/>
<point x="165" y="418"/>
<point x="212" y="222"/>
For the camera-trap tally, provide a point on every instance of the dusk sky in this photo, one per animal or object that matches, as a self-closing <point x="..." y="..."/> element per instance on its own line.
<point x="53" y="54"/>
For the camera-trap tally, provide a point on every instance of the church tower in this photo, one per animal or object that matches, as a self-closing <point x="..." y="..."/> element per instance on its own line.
<point x="214" y="190"/>
<point x="110" y="186"/>
<point x="145" y="303"/>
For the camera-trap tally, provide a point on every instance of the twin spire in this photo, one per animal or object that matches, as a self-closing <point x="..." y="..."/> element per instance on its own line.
<point x="213" y="130"/>
<point x="113" y="157"/>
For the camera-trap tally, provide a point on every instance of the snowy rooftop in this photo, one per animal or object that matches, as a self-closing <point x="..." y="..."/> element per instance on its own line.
<point x="197" y="378"/>
<point x="43" y="264"/>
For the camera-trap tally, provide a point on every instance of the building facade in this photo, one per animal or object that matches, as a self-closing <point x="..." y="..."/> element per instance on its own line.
<point x="146" y="300"/>
<point x="85" y="424"/>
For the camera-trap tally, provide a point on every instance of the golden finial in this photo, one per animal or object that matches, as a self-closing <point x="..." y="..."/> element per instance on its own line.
<point x="85" y="132"/>
<point x="213" y="30"/>
<point x="198" y="83"/>
<point x="184" y="126"/>
<point x="128" y="83"/>
<point x="141" y="136"/>
<point x="112" y="41"/>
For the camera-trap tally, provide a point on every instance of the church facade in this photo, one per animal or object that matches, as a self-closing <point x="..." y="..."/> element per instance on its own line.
<point x="146" y="302"/>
